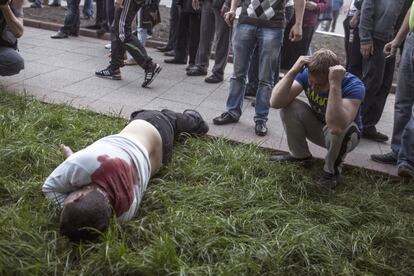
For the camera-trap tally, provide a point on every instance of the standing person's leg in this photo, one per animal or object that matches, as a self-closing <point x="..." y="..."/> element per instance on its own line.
<point x="223" y="36"/>
<point x="181" y="51"/>
<point x="72" y="21"/>
<point x="110" y="13"/>
<point x="173" y="29"/>
<point x="206" y="32"/>
<point x="269" y="41"/>
<point x="88" y="9"/>
<point x="307" y="35"/>
<point x="354" y="65"/>
<point x="335" y="15"/>
<point x="10" y="62"/>
<point x="406" y="156"/>
<point x="194" y="37"/>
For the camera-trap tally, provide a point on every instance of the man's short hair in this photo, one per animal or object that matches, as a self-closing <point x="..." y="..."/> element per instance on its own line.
<point x="86" y="217"/>
<point x="320" y="62"/>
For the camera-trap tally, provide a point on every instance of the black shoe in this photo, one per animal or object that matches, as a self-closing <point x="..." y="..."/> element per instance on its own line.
<point x="287" y="158"/>
<point x="405" y="171"/>
<point x="202" y="127"/>
<point x="175" y="61"/>
<point x="388" y="158"/>
<point x="190" y="67"/>
<point x="196" y="72"/>
<point x="170" y="53"/>
<point x="164" y="49"/>
<point x="93" y="27"/>
<point x="213" y="79"/>
<point x="35" y="6"/>
<point x="59" y="35"/>
<point x="329" y="181"/>
<point x="250" y="92"/>
<point x="109" y="73"/>
<point x="151" y="74"/>
<point x="374" y="135"/>
<point x="54" y="5"/>
<point x="224" y="119"/>
<point x="260" y="128"/>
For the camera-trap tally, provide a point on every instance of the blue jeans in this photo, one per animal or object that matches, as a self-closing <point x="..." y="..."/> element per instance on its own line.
<point x="402" y="143"/>
<point x="72" y="19"/>
<point x="88" y="8"/>
<point x="10" y="62"/>
<point x="268" y="41"/>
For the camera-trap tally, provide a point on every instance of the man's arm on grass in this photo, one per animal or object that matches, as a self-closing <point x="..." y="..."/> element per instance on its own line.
<point x="340" y="112"/>
<point x="287" y="89"/>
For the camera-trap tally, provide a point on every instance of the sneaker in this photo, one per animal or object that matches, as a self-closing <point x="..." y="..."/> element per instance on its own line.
<point x="260" y="128"/>
<point x="150" y="74"/>
<point x="405" y="170"/>
<point x="202" y="127"/>
<point x="109" y="73"/>
<point x="329" y="181"/>
<point x="388" y="158"/>
<point x="225" y="119"/>
<point x="108" y="46"/>
<point x="374" y="135"/>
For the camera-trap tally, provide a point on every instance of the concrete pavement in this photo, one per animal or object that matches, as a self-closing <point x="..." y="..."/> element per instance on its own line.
<point x="62" y="71"/>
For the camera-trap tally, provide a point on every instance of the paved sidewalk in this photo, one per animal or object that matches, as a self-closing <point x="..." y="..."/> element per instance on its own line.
<point x="62" y="71"/>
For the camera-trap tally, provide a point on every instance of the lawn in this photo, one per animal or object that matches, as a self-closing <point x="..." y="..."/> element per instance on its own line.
<point x="218" y="208"/>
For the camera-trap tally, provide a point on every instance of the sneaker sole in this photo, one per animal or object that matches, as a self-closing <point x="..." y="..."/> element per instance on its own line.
<point x="406" y="174"/>
<point x="383" y="162"/>
<point x="109" y="77"/>
<point x="157" y="71"/>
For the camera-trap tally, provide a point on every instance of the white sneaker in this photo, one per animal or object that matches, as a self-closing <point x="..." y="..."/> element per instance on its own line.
<point x="108" y="46"/>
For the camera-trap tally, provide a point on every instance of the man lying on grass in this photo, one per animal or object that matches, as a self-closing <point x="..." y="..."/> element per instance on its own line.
<point x="332" y="119"/>
<point x="110" y="176"/>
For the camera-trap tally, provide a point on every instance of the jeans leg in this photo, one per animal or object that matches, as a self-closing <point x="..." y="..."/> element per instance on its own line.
<point x="245" y="39"/>
<point x="253" y="74"/>
<point x="406" y="155"/>
<point x="338" y="145"/>
<point x="88" y="8"/>
<point x="72" y="20"/>
<point x="10" y="62"/>
<point x="404" y="97"/>
<point x="300" y="123"/>
<point x="269" y="43"/>
<point x="206" y="35"/>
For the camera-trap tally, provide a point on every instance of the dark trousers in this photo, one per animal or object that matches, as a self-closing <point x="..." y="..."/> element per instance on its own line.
<point x="188" y="36"/>
<point x="377" y="76"/>
<point x="72" y="19"/>
<point x="174" y="20"/>
<point x="352" y="49"/>
<point x="122" y="38"/>
<point x="291" y="51"/>
<point x="170" y="125"/>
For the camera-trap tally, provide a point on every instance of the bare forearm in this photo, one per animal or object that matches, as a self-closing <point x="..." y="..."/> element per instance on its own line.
<point x="234" y="4"/>
<point x="336" y="115"/>
<point x="299" y="11"/>
<point x="14" y="24"/>
<point x="404" y="29"/>
<point x="280" y="94"/>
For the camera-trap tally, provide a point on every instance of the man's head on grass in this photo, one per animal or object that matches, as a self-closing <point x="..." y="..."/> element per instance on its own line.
<point x="318" y="69"/>
<point x="86" y="212"/>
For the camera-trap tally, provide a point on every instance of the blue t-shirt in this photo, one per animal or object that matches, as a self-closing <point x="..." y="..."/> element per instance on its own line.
<point x="352" y="88"/>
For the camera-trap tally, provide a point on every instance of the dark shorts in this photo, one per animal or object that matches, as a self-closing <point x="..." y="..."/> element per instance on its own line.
<point x="164" y="127"/>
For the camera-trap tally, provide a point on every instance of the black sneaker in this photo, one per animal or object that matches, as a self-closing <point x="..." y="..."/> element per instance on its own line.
<point x="109" y="73"/>
<point x="388" y="158"/>
<point x="202" y="127"/>
<point x="406" y="171"/>
<point x="150" y="74"/>
<point x="329" y="181"/>
<point x="374" y="135"/>
<point x="260" y="128"/>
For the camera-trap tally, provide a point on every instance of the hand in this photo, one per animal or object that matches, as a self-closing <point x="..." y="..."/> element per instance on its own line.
<point x="119" y="3"/>
<point x="66" y="151"/>
<point x="229" y="17"/>
<point x="310" y="6"/>
<point x="367" y="50"/>
<point x="298" y="66"/>
<point x="224" y="9"/>
<point x="196" y="5"/>
<point x="295" y="33"/>
<point x="353" y="22"/>
<point x="336" y="74"/>
<point x="390" y="49"/>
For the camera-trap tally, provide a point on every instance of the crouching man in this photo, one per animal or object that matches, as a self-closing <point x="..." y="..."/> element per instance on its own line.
<point x="332" y="119"/>
<point x="110" y="176"/>
<point x="11" y="28"/>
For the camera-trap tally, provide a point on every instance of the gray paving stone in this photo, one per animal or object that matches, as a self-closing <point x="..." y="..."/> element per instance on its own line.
<point x="58" y="78"/>
<point x="167" y="104"/>
<point x="83" y="89"/>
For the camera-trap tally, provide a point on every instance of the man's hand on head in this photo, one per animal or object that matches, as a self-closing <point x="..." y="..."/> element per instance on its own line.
<point x="336" y="75"/>
<point x="300" y="63"/>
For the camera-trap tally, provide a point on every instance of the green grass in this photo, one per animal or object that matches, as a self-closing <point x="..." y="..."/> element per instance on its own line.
<point x="218" y="208"/>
